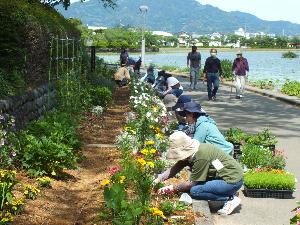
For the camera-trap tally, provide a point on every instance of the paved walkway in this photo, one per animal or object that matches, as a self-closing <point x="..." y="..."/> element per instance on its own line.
<point x="252" y="114"/>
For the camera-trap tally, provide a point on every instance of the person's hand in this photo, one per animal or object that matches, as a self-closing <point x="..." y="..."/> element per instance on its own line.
<point x="156" y="181"/>
<point x="222" y="78"/>
<point x="168" y="190"/>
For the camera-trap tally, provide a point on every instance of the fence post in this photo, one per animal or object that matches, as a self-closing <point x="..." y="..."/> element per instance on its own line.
<point x="93" y="58"/>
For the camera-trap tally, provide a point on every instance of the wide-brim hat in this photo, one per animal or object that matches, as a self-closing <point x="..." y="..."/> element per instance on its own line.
<point x="181" y="101"/>
<point x="181" y="146"/>
<point x="191" y="107"/>
<point x="170" y="100"/>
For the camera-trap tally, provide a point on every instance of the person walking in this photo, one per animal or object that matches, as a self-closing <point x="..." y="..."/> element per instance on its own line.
<point x="194" y="63"/>
<point x="212" y="73"/>
<point x="240" y="68"/>
<point x="215" y="175"/>
<point x="124" y="56"/>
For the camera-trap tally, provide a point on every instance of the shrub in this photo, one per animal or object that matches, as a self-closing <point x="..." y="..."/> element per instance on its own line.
<point x="101" y="96"/>
<point x="42" y="156"/>
<point x="271" y="180"/>
<point x="264" y="138"/>
<point x="227" y="69"/>
<point x="263" y="84"/>
<point x="291" y="88"/>
<point x="290" y="55"/>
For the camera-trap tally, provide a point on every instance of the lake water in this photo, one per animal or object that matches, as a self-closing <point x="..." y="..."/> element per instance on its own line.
<point x="263" y="64"/>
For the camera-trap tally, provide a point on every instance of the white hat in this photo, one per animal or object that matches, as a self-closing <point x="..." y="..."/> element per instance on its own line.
<point x="170" y="100"/>
<point x="172" y="81"/>
<point x="181" y="146"/>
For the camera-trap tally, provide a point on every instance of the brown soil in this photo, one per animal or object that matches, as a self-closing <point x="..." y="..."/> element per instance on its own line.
<point x="76" y="199"/>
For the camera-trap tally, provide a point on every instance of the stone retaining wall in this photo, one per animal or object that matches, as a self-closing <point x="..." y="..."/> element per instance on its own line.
<point x="29" y="106"/>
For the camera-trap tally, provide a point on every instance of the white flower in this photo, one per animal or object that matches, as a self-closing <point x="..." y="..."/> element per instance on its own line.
<point x="148" y="114"/>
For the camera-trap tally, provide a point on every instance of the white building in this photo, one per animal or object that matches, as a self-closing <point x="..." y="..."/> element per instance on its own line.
<point x="96" y="28"/>
<point x="162" y="33"/>
<point x="241" y="32"/>
<point x="215" y="36"/>
<point x="215" y="43"/>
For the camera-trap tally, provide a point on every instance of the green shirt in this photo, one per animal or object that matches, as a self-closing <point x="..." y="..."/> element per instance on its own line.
<point x="232" y="171"/>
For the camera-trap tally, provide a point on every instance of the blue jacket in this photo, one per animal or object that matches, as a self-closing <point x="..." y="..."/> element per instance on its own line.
<point x="207" y="132"/>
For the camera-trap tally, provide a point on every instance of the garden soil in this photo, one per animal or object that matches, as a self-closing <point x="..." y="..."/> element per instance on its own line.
<point x="76" y="199"/>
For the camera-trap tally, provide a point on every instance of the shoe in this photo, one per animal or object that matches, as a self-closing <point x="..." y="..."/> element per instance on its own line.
<point x="237" y="97"/>
<point x="214" y="98"/>
<point x="229" y="206"/>
<point x="241" y="96"/>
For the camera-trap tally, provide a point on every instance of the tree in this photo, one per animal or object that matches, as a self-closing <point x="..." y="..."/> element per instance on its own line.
<point x="66" y="3"/>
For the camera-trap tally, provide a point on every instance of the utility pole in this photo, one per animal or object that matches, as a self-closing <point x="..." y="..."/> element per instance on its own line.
<point x="143" y="9"/>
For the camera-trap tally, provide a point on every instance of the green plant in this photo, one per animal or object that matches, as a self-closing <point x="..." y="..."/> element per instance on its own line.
<point x="43" y="156"/>
<point x="31" y="192"/>
<point x="271" y="180"/>
<point x="289" y="55"/>
<point x="291" y="88"/>
<point x="264" y="138"/>
<point x="101" y="96"/>
<point x="167" y="207"/>
<point x="44" y="181"/>
<point x="263" y="84"/>
<point x="235" y="135"/>
<point x="227" y="69"/>
<point x="254" y="156"/>
<point x="295" y="220"/>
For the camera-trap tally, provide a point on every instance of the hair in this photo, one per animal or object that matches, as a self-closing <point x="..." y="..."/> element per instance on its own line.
<point x="213" y="49"/>
<point x="194" y="48"/>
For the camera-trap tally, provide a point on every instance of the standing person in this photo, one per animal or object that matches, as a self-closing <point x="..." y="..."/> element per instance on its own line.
<point x="124" y="56"/>
<point x="214" y="176"/>
<point x="194" y="63"/>
<point x="212" y="72"/>
<point x="240" y="67"/>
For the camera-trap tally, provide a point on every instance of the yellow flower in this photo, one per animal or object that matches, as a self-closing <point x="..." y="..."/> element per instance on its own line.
<point x="105" y="182"/>
<point x="155" y="109"/>
<point x="159" y="136"/>
<point x="152" y="151"/>
<point x="157" y="130"/>
<point x="150" y="142"/>
<point x="145" y="152"/>
<point x="150" y="164"/>
<point x="122" y="178"/>
<point x="151" y="126"/>
<point x="157" y="212"/>
<point x="141" y="161"/>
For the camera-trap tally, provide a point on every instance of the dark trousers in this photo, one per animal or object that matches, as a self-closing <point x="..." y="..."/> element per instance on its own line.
<point x="121" y="83"/>
<point x="213" y="82"/>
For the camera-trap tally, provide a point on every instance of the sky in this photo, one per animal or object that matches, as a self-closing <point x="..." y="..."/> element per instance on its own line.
<point x="265" y="9"/>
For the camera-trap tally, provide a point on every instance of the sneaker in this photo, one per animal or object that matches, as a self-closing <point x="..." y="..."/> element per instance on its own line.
<point x="214" y="98"/>
<point x="237" y="97"/>
<point x="229" y="206"/>
<point x="241" y="96"/>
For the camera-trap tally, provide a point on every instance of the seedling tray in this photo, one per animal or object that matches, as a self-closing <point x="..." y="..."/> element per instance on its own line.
<point x="263" y="193"/>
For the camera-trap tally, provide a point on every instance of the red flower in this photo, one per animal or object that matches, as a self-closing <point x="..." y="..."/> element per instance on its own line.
<point x="113" y="170"/>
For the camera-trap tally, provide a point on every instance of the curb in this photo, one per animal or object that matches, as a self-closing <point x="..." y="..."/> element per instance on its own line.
<point x="202" y="213"/>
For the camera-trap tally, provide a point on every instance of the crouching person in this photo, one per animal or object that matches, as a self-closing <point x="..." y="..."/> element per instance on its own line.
<point x="215" y="175"/>
<point x="122" y="76"/>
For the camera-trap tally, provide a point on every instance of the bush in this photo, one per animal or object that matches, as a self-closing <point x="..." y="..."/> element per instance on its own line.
<point x="235" y="135"/>
<point x="264" y="138"/>
<point x="271" y="180"/>
<point x="263" y="84"/>
<point x="43" y="156"/>
<point x="290" y="55"/>
<point x="101" y="96"/>
<point x="227" y="69"/>
<point x="291" y="88"/>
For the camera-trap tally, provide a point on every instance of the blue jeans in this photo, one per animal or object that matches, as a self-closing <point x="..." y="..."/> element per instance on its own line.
<point x="215" y="190"/>
<point x="176" y="92"/>
<point x="213" y="82"/>
<point x="194" y="75"/>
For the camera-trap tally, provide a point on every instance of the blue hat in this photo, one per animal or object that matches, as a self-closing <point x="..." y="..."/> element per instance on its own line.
<point x="193" y="108"/>
<point x="180" y="102"/>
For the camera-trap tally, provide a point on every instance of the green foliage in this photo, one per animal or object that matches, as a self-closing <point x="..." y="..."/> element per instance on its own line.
<point x="291" y="88"/>
<point x="11" y="83"/>
<point x="167" y="207"/>
<point x="269" y="180"/>
<point x="43" y="156"/>
<point x="263" y="84"/>
<point x="235" y="135"/>
<point x="255" y="156"/>
<point x="289" y="55"/>
<point x="101" y="96"/>
<point x="264" y="138"/>
<point x="227" y="69"/>
<point x="175" y="69"/>
<point x="31" y="192"/>
<point x="44" y="181"/>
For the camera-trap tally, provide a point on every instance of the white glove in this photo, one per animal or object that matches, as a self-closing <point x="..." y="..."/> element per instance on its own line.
<point x="156" y="181"/>
<point x="166" y="190"/>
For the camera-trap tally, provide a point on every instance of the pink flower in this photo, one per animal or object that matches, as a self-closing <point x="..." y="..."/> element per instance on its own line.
<point x="113" y="170"/>
<point x="298" y="222"/>
<point x="298" y="212"/>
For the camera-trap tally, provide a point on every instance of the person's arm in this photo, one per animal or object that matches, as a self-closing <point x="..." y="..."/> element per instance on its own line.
<point x="233" y="66"/>
<point x="185" y="187"/>
<point x="199" y="60"/>
<point x="171" y="172"/>
<point x="220" y="68"/>
<point x="246" y="65"/>
<point x="188" y="60"/>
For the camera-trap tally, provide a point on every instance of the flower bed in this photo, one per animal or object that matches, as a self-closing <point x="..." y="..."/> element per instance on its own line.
<point x="129" y="191"/>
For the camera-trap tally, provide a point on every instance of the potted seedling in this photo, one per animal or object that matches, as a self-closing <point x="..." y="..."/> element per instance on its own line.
<point x="236" y="136"/>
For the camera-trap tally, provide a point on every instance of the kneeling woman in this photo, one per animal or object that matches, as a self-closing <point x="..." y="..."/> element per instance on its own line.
<point x="214" y="176"/>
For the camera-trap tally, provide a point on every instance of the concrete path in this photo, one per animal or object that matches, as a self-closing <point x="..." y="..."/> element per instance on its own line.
<point x="252" y="114"/>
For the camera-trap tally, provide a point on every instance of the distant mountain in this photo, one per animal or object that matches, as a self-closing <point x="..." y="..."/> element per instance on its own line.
<point x="175" y="16"/>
